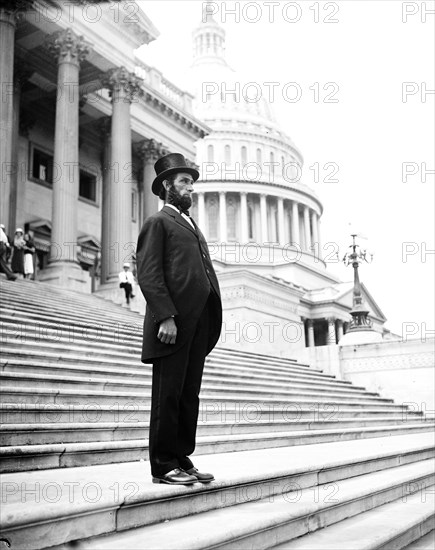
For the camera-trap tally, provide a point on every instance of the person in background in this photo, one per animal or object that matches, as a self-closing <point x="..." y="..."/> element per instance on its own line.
<point x="19" y="244"/>
<point x="126" y="281"/>
<point x="29" y="252"/>
<point x="4" y="248"/>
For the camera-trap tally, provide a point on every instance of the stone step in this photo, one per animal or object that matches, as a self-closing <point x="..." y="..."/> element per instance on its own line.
<point x="71" y="310"/>
<point x="87" y="356"/>
<point x="427" y="542"/>
<point x="67" y="455"/>
<point x="36" y="292"/>
<point x="52" y="325"/>
<point x="45" y="395"/>
<point x="213" y="366"/>
<point x="15" y="311"/>
<point x="14" y="336"/>
<point x="79" y="432"/>
<point x="258" y="524"/>
<point x="118" y="333"/>
<point x="212" y="372"/>
<point x="58" y="381"/>
<point x="390" y="526"/>
<point x="52" y="507"/>
<point x="17" y="413"/>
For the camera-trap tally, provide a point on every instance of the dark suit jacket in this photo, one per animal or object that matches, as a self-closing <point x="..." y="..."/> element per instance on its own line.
<point x="176" y="276"/>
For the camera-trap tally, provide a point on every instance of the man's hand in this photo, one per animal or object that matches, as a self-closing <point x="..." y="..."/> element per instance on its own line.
<point x="167" y="331"/>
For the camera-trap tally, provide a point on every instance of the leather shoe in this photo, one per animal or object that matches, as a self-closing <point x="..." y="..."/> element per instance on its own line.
<point x="202" y="477"/>
<point x="176" y="477"/>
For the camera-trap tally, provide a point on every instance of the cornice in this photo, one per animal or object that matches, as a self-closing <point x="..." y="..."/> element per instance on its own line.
<point x="160" y="104"/>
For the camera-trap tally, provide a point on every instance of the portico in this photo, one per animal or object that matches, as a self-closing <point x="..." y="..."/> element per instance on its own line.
<point x="92" y="123"/>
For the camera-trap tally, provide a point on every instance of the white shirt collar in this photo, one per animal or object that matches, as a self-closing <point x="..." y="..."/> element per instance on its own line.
<point x="187" y="218"/>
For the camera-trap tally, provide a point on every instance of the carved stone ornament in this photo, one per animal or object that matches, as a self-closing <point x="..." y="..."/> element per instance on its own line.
<point x="149" y="150"/>
<point x="120" y="79"/>
<point x="67" y="46"/>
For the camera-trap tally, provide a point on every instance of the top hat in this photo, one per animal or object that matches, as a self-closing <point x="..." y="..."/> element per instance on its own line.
<point x="171" y="164"/>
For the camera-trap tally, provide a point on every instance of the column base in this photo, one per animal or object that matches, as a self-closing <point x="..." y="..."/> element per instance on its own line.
<point x="66" y="275"/>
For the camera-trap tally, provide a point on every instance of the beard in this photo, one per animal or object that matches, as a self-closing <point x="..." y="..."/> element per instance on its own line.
<point x="180" y="201"/>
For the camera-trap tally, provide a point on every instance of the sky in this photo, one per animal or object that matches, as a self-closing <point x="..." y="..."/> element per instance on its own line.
<point x="376" y="60"/>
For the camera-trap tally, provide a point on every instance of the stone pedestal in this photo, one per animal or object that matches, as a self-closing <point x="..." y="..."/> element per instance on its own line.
<point x="367" y="336"/>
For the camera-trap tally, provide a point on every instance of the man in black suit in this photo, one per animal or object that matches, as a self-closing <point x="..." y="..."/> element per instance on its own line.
<point x="182" y="322"/>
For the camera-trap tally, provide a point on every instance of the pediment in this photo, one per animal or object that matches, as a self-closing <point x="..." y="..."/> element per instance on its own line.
<point x="41" y="227"/>
<point x="346" y="300"/>
<point x="90" y="242"/>
<point x="341" y="294"/>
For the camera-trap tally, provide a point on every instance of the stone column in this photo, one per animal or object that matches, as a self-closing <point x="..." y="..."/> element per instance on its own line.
<point x="222" y="216"/>
<point x="201" y="212"/>
<point x="263" y="218"/>
<point x="149" y="150"/>
<point x="319" y="240"/>
<point x="307" y="229"/>
<point x="281" y="231"/>
<point x="340" y="331"/>
<point x="7" y="43"/>
<point x="315" y="233"/>
<point x="244" y="237"/>
<point x="104" y="126"/>
<point x="123" y="86"/>
<point x="295" y="236"/>
<point x="310" y="325"/>
<point x="332" y="338"/>
<point x="21" y="75"/>
<point x="63" y="268"/>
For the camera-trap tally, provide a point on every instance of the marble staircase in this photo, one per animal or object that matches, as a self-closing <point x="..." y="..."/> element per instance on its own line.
<point x="299" y="456"/>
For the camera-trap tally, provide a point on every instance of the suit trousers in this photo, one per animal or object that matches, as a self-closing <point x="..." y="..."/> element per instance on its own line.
<point x="175" y="401"/>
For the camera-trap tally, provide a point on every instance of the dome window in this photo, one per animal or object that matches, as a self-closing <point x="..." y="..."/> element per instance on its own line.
<point x="244" y="155"/>
<point x="227" y="154"/>
<point x="210" y="153"/>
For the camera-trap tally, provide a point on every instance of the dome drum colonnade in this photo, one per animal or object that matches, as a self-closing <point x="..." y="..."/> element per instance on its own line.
<point x="256" y="217"/>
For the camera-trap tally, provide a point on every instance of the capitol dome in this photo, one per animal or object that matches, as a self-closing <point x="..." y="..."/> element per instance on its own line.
<point x="250" y="198"/>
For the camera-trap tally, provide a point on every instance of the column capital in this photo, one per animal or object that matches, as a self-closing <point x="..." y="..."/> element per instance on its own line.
<point x="149" y="150"/>
<point x="68" y="47"/>
<point x="11" y="12"/>
<point x="122" y="84"/>
<point x="310" y="322"/>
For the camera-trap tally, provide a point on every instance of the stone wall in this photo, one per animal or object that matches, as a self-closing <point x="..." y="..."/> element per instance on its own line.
<point x="400" y="370"/>
<point x="403" y="370"/>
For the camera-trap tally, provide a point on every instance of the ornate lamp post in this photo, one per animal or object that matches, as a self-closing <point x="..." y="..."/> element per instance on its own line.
<point x="355" y="257"/>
